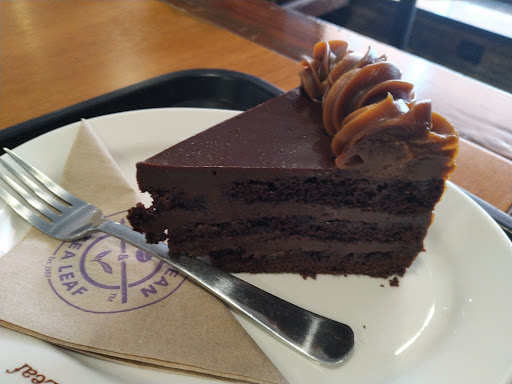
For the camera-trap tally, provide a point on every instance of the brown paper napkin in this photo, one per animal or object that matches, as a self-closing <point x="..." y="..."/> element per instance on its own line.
<point x="106" y="298"/>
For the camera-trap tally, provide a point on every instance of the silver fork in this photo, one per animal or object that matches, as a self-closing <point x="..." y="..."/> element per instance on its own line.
<point x="63" y="216"/>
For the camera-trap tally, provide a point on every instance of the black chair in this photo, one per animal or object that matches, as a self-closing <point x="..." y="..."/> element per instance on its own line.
<point x="403" y="19"/>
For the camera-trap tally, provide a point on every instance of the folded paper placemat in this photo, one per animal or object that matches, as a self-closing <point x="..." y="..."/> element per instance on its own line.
<point x="104" y="297"/>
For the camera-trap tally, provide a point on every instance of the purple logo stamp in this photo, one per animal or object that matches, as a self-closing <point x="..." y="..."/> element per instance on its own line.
<point x="102" y="274"/>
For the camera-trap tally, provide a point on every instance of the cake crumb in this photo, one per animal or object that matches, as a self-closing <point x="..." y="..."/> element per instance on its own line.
<point x="305" y="276"/>
<point x="394" y="282"/>
<point x="364" y="326"/>
<point x="382" y="285"/>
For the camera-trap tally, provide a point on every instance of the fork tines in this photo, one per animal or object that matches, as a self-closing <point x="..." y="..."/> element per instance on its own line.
<point x="39" y="193"/>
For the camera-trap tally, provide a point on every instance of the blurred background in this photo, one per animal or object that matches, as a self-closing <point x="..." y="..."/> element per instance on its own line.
<point x="473" y="37"/>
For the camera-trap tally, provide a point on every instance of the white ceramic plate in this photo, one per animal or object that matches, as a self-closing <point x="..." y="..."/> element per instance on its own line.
<point x="449" y="321"/>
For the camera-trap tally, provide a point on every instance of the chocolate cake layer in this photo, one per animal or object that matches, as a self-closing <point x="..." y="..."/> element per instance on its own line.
<point x="310" y="263"/>
<point x="323" y="187"/>
<point x="288" y="227"/>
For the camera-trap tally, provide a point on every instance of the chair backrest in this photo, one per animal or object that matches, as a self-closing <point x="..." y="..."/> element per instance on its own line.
<point x="313" y="7"/>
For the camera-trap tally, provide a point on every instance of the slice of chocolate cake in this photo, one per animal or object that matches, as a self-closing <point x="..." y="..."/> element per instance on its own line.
<point x="342" y="186"/>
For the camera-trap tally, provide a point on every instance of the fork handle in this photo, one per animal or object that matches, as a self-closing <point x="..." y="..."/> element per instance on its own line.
<point x="324" y="340"/>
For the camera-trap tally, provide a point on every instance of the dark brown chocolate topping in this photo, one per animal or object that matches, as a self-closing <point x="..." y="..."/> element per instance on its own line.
<point x="377" y="126"/>
<point x="284" y="133"/>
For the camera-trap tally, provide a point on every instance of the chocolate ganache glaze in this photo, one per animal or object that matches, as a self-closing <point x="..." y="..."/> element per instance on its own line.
<point x="376" y="125"/>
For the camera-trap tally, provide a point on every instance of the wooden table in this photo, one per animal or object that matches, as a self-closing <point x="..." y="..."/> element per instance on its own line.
<point x="57" y="53"/>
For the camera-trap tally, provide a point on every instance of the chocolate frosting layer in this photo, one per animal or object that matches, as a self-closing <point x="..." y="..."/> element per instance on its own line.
<point x="376" y="125"/>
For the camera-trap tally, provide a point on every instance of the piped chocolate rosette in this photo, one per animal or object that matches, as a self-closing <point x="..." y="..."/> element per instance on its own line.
<point x="377" y="125"/>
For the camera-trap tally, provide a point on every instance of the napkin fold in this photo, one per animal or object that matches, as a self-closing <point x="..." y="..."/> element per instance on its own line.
<point x="103" y="297"/>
